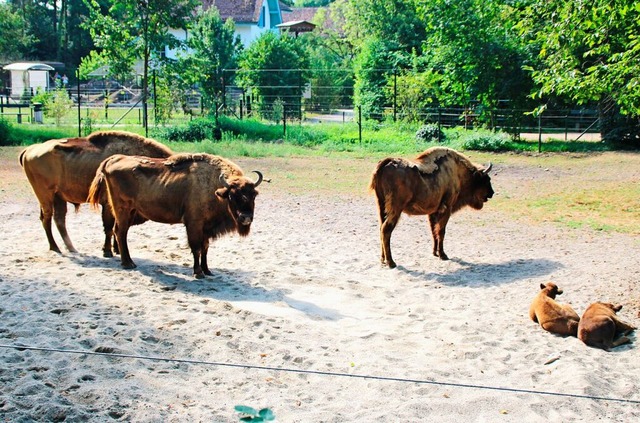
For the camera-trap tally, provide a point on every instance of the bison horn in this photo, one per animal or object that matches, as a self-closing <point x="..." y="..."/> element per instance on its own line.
<point x="259" y="180"/>
<point x="223" y="180"/>
<point x="486" y="171"/>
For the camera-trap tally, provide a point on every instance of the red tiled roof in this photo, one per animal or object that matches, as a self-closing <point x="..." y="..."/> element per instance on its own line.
<point x="299" y="14"/>
<point x="238" y="10"/>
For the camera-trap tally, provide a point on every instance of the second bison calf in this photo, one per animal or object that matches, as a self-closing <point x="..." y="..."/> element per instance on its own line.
<point x="601" y="328"/>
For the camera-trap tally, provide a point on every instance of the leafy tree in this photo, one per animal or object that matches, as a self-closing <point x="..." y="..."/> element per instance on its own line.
<point x="471" y="43"/>
<point x="331" y="74"/>
<point x="372" y="69"/>
<point x="415" y="91"/>
<point x="131" y="30"/>
<point x="589" y="52"/>
<point x="275" y="67"/>
<point x="15" y="42"/>
<point x="214" y="48"/>
<point x="57" y="104"/>
<point x="396" y="22"/>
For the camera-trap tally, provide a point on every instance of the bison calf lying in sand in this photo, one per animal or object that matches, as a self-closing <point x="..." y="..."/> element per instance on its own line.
<point x="438" y="183"/>
<point x="207" y="193"/>
<point x="601" y="328"/>
<point x="60" y="172"/>
<point x="553" y="316"/>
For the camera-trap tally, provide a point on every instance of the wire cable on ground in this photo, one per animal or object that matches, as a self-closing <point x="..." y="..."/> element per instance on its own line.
<point x="322" y="373"/>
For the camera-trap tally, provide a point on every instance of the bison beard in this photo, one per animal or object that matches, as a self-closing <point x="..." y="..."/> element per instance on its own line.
<point x="437" y="183"/>
<point x="207" y="193"/>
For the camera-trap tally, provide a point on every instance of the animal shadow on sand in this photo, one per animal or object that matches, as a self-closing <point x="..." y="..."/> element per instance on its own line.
<point x="478" y="275"/>
<point x="223" y="285"/>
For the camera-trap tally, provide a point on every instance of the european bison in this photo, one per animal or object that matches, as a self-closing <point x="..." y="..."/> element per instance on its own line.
<point x="438" y="183"/>
<point x="553" y="316"/>
<point x="601" y="328"/>
<point x="207" y="193"/>
<point x="60" y="172"/>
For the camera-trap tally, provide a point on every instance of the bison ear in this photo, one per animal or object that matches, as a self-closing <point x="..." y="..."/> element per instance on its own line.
<point x="542" y="286"/>
<point x="222" y="192"/>
<point x="617" y="308"/>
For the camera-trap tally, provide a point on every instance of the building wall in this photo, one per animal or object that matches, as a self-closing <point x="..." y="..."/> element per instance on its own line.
<point x="30" y="79"/>
<point x="248" y="31"/>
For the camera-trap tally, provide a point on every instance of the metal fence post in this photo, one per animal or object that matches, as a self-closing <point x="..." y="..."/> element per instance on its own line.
<point x="395" y="94"/>
<point x="360" y="124"/>
<point x="540" y="132"/>
<point x="284" y="119"/>
<point x="78" y="92"/>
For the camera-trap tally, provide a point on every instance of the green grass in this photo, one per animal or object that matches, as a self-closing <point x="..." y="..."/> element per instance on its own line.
<point x="255" y="138"/>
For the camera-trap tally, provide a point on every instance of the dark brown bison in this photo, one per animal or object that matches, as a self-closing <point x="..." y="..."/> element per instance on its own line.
<point x="60" y="172"/>
<point x="553" y="316"/>
<point x="439" y="182"/>
<point x="600" y="327"/>
<point x="207" y="193"/>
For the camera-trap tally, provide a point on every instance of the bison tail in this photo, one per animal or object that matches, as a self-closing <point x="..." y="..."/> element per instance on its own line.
<point x="22" y="153"/>
<point x="373" y="184"/>
<point x="97" y="189"/>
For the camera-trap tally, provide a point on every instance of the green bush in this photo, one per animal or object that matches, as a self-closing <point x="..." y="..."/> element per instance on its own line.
<point x="5" y="132"/>
<point x="196" y="130"/>
<point x="486" y="141"/>
<point x="430" y="132"/>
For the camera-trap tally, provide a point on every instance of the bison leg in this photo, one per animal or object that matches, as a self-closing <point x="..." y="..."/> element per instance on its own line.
<point x="45" y="218"/>
<point x="59" y="217"/>
<point x="438" y="223"/>
<point x="196" y="243"/>
<point x="561" y="328"/>
<point x="203" y="258"/>
<point x="122" y="229"/>
<point x="624" y="328"/>
<point x="620" y="341"/>
<point x="108" y="223"/>
<point x="386" y="228"/>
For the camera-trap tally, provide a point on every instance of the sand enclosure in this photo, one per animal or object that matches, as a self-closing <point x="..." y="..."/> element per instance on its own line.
<point x="429" y="341"/>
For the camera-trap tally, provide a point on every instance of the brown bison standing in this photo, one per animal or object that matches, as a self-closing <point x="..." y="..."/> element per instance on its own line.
<point x="439" y="182"/>
<point x="207" y="193"/>
<point x="60" y="172"/>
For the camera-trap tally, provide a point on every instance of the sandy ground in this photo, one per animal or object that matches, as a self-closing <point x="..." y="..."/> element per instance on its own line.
<point x="301" y="318"/>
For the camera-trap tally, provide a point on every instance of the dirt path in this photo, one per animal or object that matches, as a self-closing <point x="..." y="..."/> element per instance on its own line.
<point x="450" y="340"/>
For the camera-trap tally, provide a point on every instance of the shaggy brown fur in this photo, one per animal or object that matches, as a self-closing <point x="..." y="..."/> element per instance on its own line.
<point x="60" y="172"/>
<point x="438" y="183"/>
<point x="207" y="193"/>
<point x="601" y="328"/>
<point x="553" y="316"/>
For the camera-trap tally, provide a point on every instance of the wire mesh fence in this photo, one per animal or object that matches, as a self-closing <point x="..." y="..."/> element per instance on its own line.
<point x="328" y="97"/>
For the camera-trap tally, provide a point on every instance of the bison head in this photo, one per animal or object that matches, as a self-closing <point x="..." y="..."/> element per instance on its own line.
<point x="614" y="307"/>
<point x="482" y="189"/>
<point x="551" y="289"/>
<point x="240" y="194"/>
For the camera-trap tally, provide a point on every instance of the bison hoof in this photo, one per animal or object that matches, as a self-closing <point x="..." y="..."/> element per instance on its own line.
<point x="392" y="264"/>
<point x="443" y="256"/>
<point x="198" y="275"/>
<point x="107" y="253"/>
<point x="131" y="265"/>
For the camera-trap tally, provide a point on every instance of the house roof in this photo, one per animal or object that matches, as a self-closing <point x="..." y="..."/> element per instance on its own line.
<point x="297" y="26"/>
<point x="238" y="10"/>
<point x="26" y="66"/>
<point x="299" y="14"/>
